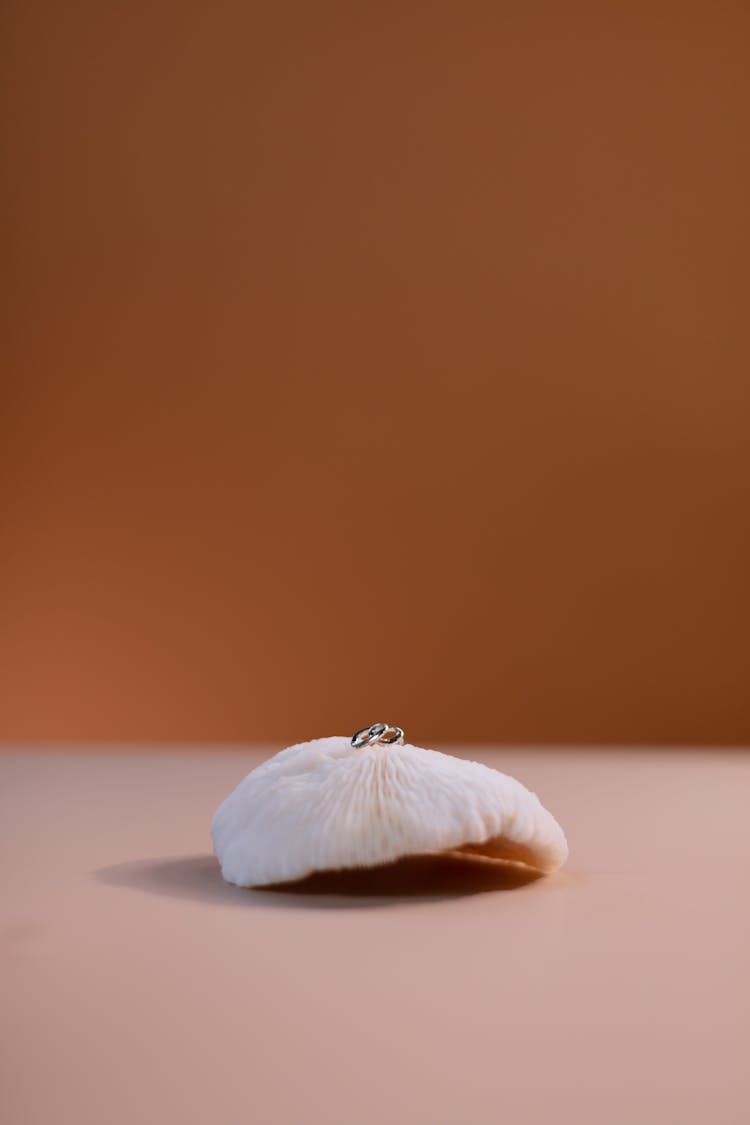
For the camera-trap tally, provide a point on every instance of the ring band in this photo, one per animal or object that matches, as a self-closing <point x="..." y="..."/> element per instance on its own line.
<point x="378" y="733"/>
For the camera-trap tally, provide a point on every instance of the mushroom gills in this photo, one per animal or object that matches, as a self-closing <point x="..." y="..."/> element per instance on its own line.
<point x="324" y="805"/>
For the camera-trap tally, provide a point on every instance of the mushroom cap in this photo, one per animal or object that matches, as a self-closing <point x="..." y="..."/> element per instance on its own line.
<point x="322" y="805"/>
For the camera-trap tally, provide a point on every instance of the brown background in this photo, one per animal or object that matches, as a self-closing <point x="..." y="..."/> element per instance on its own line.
<point x="376" y="360"/>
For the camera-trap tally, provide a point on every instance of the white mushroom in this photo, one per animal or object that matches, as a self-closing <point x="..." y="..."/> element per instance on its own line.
<point x="328" y="805"/>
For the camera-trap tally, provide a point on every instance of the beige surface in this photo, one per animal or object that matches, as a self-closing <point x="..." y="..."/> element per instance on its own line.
<point x="137" y="987"/>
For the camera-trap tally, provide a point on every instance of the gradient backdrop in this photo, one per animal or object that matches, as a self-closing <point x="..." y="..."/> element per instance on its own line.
<point x="376" y="360"/>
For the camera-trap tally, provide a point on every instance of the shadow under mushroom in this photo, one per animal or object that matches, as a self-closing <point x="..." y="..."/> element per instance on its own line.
<point x="419" y="878"/>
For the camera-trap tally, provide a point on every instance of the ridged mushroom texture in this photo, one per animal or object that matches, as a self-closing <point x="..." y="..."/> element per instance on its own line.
<point x="335" y="803"/>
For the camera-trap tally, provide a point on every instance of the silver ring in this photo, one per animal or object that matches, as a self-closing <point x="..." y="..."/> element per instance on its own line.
<point x="368" y="735"/>
<point x="378" y="733"/>
<point x="394" y="736"/>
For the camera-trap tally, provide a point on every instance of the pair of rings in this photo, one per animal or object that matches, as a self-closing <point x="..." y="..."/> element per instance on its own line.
<point x="378" y="733"/>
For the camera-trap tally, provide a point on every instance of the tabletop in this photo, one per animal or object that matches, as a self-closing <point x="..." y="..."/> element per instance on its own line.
<point x="137" y="986"/>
